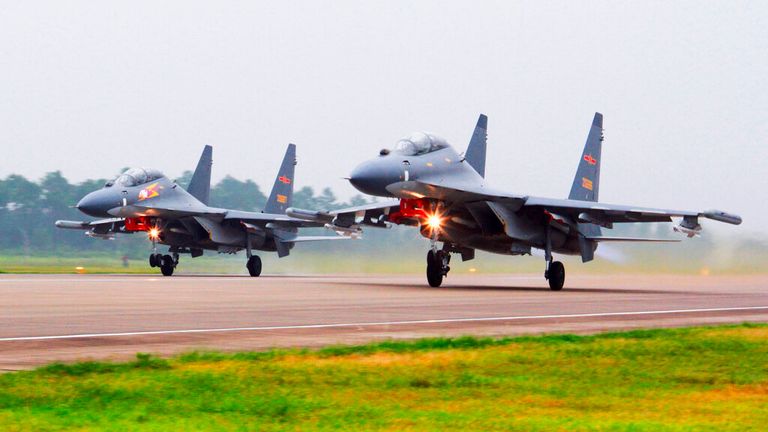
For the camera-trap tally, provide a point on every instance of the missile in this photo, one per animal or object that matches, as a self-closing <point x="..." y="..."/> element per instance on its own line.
<point x="71" y="224"/>
<point x="353" y="232"/>
<point x="722" y="216"/>
<point x="308" y="215"/>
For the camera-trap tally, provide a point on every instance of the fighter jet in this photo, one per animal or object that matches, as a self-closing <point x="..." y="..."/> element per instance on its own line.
<point x="445" y="194"/>
<point x="144" y="200"/>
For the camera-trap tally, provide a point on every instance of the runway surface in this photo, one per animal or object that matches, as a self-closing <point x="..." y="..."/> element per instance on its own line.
<point x="45" y="318"/>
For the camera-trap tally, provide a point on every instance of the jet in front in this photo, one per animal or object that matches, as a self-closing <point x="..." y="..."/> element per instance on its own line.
<point x="445" y="194"/>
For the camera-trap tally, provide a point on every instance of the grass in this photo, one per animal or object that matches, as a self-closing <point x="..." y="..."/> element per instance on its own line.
<point x="710" y="378"/>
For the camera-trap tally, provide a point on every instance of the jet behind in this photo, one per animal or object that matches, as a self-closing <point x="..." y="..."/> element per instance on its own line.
<point x="144" y="200"/>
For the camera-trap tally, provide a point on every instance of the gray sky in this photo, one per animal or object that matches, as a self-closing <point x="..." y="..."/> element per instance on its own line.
<point x="90" y="87"/>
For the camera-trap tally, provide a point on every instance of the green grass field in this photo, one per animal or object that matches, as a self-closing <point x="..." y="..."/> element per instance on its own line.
<point x="680" y="379"/>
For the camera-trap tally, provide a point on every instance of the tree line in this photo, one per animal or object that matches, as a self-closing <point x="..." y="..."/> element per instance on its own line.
<point x="28" y="210"/>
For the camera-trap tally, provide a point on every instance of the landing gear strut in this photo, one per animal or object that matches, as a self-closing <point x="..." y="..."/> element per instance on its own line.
<point x="555" y="270"/>
<point x="437" y="266"/>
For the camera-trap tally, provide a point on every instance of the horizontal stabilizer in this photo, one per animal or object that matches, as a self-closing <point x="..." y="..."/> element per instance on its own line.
<point x="631" y="239"/>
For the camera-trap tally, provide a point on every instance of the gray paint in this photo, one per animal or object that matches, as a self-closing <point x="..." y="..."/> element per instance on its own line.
<point x="500" y="221"/>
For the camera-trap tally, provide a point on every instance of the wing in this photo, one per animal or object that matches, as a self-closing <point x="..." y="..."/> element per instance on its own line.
<point x="373" y="215"/>
<point x="168" y="211"/>
<point x="607" y="214"/>
<point x="454" y="190"/>
<point x="259" y="218"/>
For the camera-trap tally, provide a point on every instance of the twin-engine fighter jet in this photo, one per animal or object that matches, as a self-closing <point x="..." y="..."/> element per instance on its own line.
<point x="144" y="200"/>
<point x="446" y="195"/>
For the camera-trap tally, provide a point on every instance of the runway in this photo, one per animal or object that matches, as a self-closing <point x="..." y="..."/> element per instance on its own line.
<point x="45" y="318"/>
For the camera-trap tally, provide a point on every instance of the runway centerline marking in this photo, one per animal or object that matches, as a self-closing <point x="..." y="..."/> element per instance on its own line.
<point x="381" y="323"/>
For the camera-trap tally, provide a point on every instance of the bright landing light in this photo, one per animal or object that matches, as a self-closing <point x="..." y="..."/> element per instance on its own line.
<point x="154" y="233"/>
<point x="434" y="222"/>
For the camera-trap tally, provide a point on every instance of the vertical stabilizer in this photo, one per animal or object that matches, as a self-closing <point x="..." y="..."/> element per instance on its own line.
<point x="200" y="185"/>
<point x="586" y="184"/>
<point x="475" y="155"/>
<point x="282" y="192"/>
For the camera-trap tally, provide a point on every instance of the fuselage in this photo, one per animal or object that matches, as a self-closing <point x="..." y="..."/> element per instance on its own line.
<point x="152" y="203"/>
<point x="476" y="224"/>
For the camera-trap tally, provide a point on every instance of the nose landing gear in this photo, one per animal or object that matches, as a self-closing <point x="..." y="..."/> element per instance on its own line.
<point x="167" y="263"/>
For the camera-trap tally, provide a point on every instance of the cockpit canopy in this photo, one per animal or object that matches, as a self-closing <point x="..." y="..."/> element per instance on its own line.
<point x="419" y="143"/>
<point x="136" y="176"/>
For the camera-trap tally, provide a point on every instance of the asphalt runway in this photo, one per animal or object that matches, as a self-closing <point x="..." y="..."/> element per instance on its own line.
<point x="46" y="318"/>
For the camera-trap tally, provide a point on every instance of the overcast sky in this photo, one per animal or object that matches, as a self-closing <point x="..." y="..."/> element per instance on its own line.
<point x="90" y="87"/>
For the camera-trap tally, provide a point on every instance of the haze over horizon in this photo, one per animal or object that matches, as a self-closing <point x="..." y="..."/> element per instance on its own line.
<point x="89" y="88"/>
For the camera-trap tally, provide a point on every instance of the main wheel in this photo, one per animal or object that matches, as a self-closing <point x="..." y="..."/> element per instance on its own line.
<point x="556" y="276"/>
<point x="167" y="265"/>
<point x="254" y="266"/>
<point x="152" y="260"/>
<point x="434" y="269"/>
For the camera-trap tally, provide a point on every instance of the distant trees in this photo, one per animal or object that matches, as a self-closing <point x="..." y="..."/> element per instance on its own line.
<point x="28" y="210"/>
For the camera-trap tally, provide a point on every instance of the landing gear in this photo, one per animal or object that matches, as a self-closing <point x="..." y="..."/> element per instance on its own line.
<point x="156" y="260"/>
<point x="254" y="265"/>
<point x="555" y="271"/>
<point x="167" y="264"/>
<point x="437" y="266"/>
<point x="556" y="276"/>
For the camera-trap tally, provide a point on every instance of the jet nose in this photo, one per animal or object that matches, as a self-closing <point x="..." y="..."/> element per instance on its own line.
<point x="94" y="205"/>
<point x="373" y="177"/>
<point x="364" y="179"/>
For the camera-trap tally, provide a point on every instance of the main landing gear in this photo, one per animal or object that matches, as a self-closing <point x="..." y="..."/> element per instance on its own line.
<point x="254" y="265"/>
<point x="254" y="262"/>
<point x="437" y="266"/>
<point x="167" y="263"/>
<point x="555" y="270"/>
<point x="555" y="274"/>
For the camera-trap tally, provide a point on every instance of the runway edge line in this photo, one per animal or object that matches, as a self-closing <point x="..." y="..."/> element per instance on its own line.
<point x="381" y="323"/>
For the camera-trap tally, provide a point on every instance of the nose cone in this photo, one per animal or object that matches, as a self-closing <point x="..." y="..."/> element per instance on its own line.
<point x="96" y="204"/>
<point x="371" y="178"/>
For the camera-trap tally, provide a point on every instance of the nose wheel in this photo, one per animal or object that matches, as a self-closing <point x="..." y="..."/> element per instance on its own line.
<point x="167" y="263"/>
<point x="437" y="267"/>
<point x="254" y="265"/>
